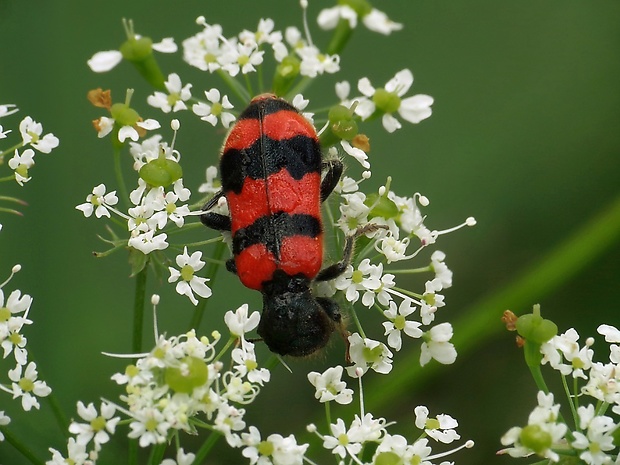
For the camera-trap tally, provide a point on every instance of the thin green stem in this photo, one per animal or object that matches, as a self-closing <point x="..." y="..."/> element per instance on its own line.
<point x="11" y="149"/>
<point x="157" y="454"/>
<point x="138" y="310"/>
<point x="21" y="447"/>
<point x="481" y="321"/>
<point x="120" y="180"/>
<point x="212" y="268"/>
<point x="206" y="447"/>
<point x="234" y="85"/>
<point x="571" y="402"/>
<point x="328" y="415"/>
<point x="357" y="323"/>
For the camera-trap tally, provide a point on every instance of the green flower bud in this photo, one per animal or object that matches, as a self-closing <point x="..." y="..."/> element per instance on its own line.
<point x="185" y="380"/>
<point x="535" y="438"/>
<point x="124" y="115"/>
<point x="342" y="123"/>
<point x="387" y="102"/>
<point x="534" y="328"/>
<point x="140" y="53"/>
<point x="388" y="458"/>
<point x="161" y="172"/>
<point x="136" y="49"/>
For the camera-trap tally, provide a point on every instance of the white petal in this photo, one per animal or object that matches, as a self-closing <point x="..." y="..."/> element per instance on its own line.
<point x="365" y="87"/>
<point x="390" y="123"/>
<point x="417" y="108"/>
<point x="167" y="45"/>
<point x="105" y="61"/>
<point x="400" y="83"/>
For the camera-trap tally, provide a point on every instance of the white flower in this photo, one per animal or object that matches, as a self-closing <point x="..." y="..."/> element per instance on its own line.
<point x="367" y="278"/>
<point x="176" y="97"/>
<point x="31" y="134"/>
<point x="275" y="450"/>
<point x="98" y="202"/>
<point x="104" y="126"/>
<point x="611" y="333"/>
<point x="441" y="428"/>
<point x="76" y="454"/>
<point x="188" y="283"/>
<point x="368" y="353"/>
<point x="211" y="112"/>
<point x="342" y="442"/>
<point x="98" y="427"/>
<point x="242" y="57"/>
<point x="398" y="323"/>
<point x="147" y="242"/>
<point x="21" y="164"/>
<point x="246" y="365"/>
<point x="150" y="426"/>
<point x="329" y="386"/>
<point x="442" y="272"/>
<point x="11" y="323"/>
<point x="238" y="321"/>
<point x="368" y="429"/>
<point x="437" y="345"/>
<point x="566" y="347"/>
<point x="264" y="33"/>
<point x="3" y="133"/>
<point x="598" y="438"/>
<point x="27" y="387"/>
<point x="388" y="100"/>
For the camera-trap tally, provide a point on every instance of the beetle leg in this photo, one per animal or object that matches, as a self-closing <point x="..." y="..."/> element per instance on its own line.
<point x="333" y="171"/>
<point x="335" y="270"/>
<point x="215" y="221"/>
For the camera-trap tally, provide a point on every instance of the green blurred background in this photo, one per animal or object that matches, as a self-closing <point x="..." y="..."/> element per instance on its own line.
<point x="524" y="136"/>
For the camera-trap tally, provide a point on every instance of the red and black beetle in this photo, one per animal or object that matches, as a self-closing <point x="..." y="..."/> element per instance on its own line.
<point x="275" y="179"/>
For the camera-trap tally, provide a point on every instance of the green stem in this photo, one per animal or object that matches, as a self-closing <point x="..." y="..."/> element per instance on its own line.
<point x="206" y="447"/>
<point x="11" y="149"/>
<point x="20" y="446"/>
<point x="234" y="85"/>
<point x="212" y="269"/>
<point x="138" y="310"/>
<point x="481" y="321"/>
<point x="120" y="180"/>
<point x="157" y="454"/>
<point x="328" y="415"/>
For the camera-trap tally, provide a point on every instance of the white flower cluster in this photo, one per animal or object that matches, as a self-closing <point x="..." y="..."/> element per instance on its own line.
<point x="349" y="441"/>
<point x="370" y="284"/>
<point x="595" y="405"/>
<point x="210" y="51"/>
<point x="23" y="382"/>
<point x="32" y="136"/>
<point x="181" y="386"/>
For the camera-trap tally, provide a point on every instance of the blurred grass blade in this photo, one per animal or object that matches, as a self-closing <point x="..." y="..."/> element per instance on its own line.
<point x="481" y="321"/>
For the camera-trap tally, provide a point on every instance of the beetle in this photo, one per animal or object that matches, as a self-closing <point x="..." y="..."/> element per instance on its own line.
<point x="274" y="179"/>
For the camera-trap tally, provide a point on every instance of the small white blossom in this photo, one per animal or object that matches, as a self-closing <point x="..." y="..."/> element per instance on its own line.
<point x="341" y="442"/>
<point x="31" y="134"/>
<point x="76" y="454"/>
<point x="188" y="282"/>
<point x="147" y="242"/>
<point x="367" y="353"/>
<point x="412" y="109"/>
<point x="21" y="164"/>
<point x="98" y="427"/>
<point x="239" y="322"/>
<point x="176" y="97"/>
<point x="441" y="428"/>
<point x="210" y="112"/>
<point x="398" y="323"/>
<point x="366" y="278"/>
<point x="329" y="386"/>
<point x="27" y="386"/>
<point x="98" y="202"/>
<point x="7" y="109"/>
<point x="437" y="346"/>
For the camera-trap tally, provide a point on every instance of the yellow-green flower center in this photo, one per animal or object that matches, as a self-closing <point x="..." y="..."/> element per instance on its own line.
<point x="5" y="314"/>
<point x="187" y="273"/>
<point x="98" y="423"/>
